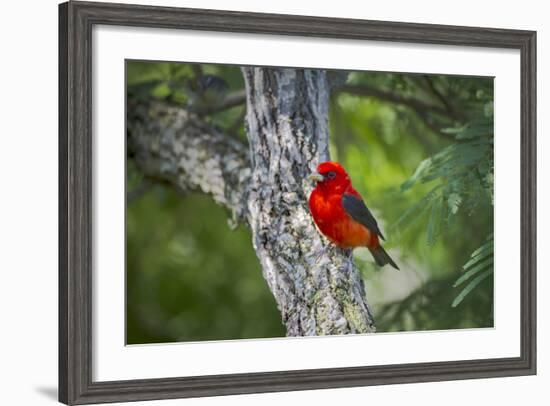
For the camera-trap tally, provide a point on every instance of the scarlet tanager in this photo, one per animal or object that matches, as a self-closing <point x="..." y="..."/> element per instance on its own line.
<point x="341" y="214"/>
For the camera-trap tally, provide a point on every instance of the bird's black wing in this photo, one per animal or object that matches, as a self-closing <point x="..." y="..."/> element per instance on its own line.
<point x="356" y="208"/>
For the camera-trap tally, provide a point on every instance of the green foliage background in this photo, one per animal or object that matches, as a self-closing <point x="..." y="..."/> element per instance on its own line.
<point x="419" y="149"/>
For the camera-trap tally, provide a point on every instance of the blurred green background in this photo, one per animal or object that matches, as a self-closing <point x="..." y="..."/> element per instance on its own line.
<point x="418" y="148"/>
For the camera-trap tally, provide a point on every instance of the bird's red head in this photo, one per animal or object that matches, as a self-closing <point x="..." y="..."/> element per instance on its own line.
<point x="332" y="177"/>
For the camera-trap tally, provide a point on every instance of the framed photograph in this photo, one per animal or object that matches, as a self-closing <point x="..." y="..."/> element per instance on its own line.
<point x="258" y="202"/>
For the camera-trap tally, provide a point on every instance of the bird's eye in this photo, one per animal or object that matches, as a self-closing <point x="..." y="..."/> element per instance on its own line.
<point x="331" y="175"/>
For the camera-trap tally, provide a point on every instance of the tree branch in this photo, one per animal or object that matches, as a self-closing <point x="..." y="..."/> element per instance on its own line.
<point x="174" y="145"/>
<point x="234" y="99"/>
<point x="421" y="108"/>
<point x="444" y="100"/>
<point x="415" y="104"/>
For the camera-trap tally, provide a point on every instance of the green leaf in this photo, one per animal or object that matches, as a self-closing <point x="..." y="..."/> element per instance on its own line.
<point x="471" y="287"/>
<point x="142" y="91"/>
<point x="420" y="170"/>
<point x="471" y="272"/>
<point x="482" y="252"/>
<point x="430" y="229"/>
<point x="161" y="91"/>
<point x="461" y="170"/>
<point x="434" y="222"/>
<point x="475" y="129"/>
<point x="484" y="247"/>
<point x="454" y="130"/>
<point x="416" y="211"/>
<point x="480" y="264"/>
<point x="454" y="200"/>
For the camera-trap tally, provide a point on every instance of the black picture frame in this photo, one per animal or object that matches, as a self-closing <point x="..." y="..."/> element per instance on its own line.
<point x="76" y="20"/>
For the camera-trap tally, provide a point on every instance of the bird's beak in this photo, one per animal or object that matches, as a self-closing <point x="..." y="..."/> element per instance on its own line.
<point x="315" y="177"/>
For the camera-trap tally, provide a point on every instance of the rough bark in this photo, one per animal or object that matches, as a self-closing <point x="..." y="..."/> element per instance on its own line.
<point x="173" y="145"/>
<point x="316" y="286"/>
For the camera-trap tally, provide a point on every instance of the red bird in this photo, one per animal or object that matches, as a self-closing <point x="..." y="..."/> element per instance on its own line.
<point x="341" y="215"/>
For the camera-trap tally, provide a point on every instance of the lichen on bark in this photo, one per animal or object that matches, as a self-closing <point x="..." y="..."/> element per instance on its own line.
<point x="174" y="145"/>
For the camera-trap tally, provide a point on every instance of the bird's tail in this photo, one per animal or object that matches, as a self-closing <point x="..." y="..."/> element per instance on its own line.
<point x="381" y="257"/>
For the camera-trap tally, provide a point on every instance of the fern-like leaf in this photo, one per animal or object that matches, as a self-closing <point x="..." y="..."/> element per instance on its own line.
<point x="479" y="265"/>
<point x="464" y="172"/>
<point x="470" y="287"/>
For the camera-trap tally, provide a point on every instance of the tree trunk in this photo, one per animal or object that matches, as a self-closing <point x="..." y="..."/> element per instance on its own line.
<point x="317" y="287"/>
